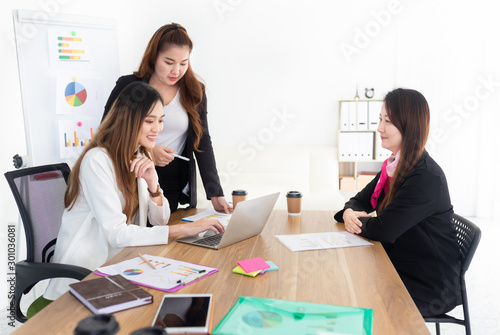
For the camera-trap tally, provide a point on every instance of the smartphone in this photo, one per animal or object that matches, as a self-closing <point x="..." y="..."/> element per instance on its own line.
<point x="185" y="313"/>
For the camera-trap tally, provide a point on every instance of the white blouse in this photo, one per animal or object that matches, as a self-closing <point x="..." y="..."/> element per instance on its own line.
<point x="175" y="126"/>
<point x="96" y="229"/>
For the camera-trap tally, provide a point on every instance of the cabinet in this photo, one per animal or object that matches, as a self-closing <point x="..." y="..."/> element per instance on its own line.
<point x="360" y="153"/>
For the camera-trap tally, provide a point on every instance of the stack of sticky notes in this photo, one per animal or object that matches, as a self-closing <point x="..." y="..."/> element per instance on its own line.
<point x="254" y="266"/>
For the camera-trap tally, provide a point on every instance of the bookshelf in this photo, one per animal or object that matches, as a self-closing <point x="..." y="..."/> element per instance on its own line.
<point x="360" y="153"/>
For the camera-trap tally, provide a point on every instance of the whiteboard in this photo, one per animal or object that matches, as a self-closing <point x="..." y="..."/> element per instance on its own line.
<point x="68" y="65"/>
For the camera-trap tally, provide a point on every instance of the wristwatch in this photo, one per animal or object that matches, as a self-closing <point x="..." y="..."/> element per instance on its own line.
<point x="155" y="194"/>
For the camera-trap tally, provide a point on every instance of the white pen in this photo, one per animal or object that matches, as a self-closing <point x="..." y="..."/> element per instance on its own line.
<point x="178" y="156"/>
<point x="192" y="277"/>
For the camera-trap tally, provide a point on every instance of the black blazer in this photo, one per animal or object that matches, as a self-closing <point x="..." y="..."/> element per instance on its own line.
<point x="417" y="233"/>
<point x="205" y="158"/>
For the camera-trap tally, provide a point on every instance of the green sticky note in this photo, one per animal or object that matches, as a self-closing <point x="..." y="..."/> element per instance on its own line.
<point x="272" y="266"/>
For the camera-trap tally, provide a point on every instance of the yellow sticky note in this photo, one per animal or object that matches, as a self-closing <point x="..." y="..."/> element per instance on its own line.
<point x="239" y="270"/>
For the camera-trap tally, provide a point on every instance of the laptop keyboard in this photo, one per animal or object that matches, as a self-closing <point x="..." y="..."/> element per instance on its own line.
<point x="210" y="241"/>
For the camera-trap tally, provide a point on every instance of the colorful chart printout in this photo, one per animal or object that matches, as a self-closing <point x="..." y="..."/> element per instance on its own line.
<point x="167" y="275"/>
<point x="70" y="48"/>
<point x="74" y="135"/>
<point x="79" y="96"/>
<point x="132" y="272"/>
<point x="75" y="94"/>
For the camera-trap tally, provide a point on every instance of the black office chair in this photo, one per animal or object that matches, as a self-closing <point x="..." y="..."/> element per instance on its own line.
<point x="39" y="193"/>
<point x="468" y="236"/>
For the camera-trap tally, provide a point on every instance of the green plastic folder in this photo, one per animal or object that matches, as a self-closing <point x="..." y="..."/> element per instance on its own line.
<point x="252" y="315"/>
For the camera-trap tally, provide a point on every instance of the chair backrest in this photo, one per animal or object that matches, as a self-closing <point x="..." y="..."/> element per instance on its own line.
<point x="468" y="236"/>
<point x="39" y="193"/>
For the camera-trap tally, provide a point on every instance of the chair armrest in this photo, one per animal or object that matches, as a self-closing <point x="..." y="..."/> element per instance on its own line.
<point x="29" y="273"/>
<point x="444" y="318"/>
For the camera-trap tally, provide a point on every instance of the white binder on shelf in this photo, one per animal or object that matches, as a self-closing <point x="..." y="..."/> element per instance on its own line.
<point x="355" y="146"/>
<point x="345" y="146"/>
<point x="362" y="115"/>
<point x="344" y="115"/>
<point x="374" y="108"/>
<point x="352" y="115"/>
<point x="364" y="146"/>
<point x="354" y="139"/>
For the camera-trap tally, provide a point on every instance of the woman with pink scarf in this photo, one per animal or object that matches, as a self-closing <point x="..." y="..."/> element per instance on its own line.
<point x="407" y="207"/>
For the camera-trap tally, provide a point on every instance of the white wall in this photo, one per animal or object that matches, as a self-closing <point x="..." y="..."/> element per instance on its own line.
<point x="293" y="58"/>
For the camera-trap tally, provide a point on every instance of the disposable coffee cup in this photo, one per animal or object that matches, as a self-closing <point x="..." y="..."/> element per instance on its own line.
<point x="238" y="195"/>
<point x="101" y="324"/>
<point x="149" y="331"/>
<point x="293" y="201"/>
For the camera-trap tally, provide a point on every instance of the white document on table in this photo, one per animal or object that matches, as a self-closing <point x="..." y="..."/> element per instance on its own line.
<point x="316" y="241"/>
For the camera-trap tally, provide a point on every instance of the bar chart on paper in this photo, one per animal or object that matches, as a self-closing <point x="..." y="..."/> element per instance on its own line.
<point x="75" y="135"/>
<point x="73" y="140"/>
<point x="70" y="46"/>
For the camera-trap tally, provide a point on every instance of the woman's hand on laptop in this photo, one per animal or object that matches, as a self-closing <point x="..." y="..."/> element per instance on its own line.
<point x="192" y="228"/>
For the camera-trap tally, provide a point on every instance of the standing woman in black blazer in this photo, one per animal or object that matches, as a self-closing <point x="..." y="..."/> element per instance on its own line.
<point x="413" y="207"/>
<point x="165" y="66"/>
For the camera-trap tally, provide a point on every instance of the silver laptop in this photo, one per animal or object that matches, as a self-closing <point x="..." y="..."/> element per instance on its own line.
<point x="248" y="220"/>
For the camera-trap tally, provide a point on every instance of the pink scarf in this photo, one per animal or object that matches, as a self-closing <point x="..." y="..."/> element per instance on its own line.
<point x="384" y="181"/>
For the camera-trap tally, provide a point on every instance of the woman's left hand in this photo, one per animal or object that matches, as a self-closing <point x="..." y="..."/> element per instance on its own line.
<point x="220" y="204"/>
<point x="143" y="167"/>
<point x="351" y="220"/>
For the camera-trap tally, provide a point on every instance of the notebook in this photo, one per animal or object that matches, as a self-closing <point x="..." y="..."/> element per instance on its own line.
<point x="109" y="294"/>
<point x="248" y="220"/>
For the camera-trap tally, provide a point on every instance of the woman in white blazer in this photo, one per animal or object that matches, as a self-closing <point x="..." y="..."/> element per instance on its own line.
<point x="113" y="190"/>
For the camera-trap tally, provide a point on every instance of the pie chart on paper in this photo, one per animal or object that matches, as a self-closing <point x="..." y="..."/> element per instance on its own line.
<point x="132" y="272"/>
<point x="75" y="94"/>
<point x="261" y="319"/>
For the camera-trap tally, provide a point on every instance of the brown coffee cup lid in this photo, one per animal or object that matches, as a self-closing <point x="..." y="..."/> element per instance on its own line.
<point x="294" y="194"/>
<point x="239" y="192"/>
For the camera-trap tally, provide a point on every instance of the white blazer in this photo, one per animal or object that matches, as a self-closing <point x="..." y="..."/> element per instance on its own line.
<point x="96" y="229"/>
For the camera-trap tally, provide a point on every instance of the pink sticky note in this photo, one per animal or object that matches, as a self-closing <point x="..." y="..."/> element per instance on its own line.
<point x="253" y="264"/>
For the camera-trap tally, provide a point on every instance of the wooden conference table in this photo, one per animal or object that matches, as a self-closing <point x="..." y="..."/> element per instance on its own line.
<point x="358" y="276"/>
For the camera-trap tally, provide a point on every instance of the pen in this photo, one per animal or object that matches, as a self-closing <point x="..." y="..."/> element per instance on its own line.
<point x="145" y="260"/>
<point x="180" y="281"/>
<point x="178" y="156"/>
